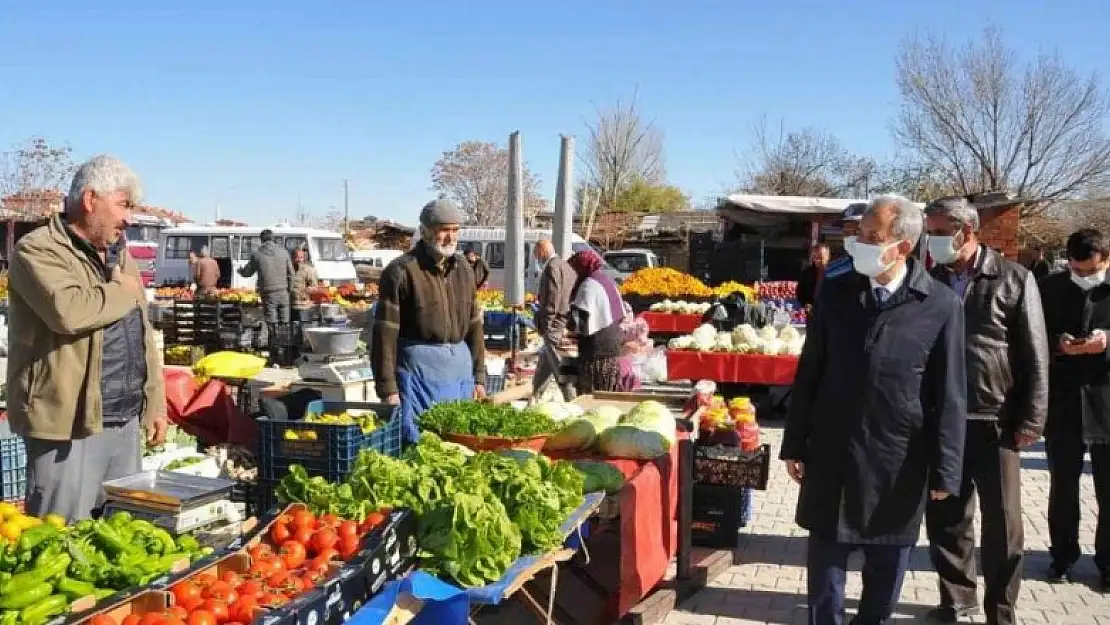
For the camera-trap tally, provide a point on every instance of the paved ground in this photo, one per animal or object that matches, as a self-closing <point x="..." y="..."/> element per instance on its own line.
<point x="769" y="585"/>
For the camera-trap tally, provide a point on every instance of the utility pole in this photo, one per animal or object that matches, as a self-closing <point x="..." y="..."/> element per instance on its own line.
<point x="346" y="208"/>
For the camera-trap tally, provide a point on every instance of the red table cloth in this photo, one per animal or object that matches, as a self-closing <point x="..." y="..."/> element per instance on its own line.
<point x="671" y="323"/>
<point x="731" y="368"/>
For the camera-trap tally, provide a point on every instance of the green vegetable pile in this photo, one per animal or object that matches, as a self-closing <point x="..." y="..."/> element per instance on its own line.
<point x="47" y="568"/>
<point x="484" y="419"/>
<point x="476" y="514"/>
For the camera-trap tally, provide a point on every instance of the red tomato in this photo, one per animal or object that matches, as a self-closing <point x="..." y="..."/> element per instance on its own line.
<point x="277" y="580"/>
<point x="303" y="519"/>
<point x="293" y="554"/>
<point x="185" y="591"/>
<point x="102" y="619"/>
<point x="328" y="554"/>
<point x="152" y="618"/>
<point x="245" y="610"/>
<point x="261" y="551"/>
<point x="204" y="579"/>
<point x="218" y="609"/>
<point x="202" y="617"/>
<point x="329" y="520"/>
<point x="303" y="535"/>
<point x="222" y="591"/>
<point x="251" y="588"/>
<point x="348" y="528"/>
<point x="272" y="600"/>
<point x="178" y="611"/>
<point x="349" y="545"/>
<point x="131" y="619"/>
<point x="280" y="533"/>
<point x="232" y="578"/>
<point x="262" y="569"/>
<point x="170" y="619"/>
<point x="323" y="539"/>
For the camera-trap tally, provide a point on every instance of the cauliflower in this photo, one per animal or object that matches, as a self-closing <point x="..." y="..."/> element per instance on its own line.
<point x="789" y="333"/>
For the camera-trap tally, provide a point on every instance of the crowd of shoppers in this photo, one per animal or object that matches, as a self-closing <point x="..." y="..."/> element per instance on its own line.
<point x="917" y="390"/>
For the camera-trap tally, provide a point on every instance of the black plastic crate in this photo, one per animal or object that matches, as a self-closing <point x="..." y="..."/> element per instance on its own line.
<point x="329" y="450"/>
<point x="13" y="468"/>
<point x="719" y="513"/>
<point x="720" y="465"/>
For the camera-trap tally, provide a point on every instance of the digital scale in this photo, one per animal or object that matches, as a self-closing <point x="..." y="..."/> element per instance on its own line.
<point x="333" y="369"/>
<point x="177" y="502"/>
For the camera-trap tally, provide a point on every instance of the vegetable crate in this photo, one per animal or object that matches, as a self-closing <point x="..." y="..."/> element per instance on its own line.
<point x="324" y="449"/>
<point x="719" y="513"/>
<point x="13" y="468"/>
<point x="721" y="465"/>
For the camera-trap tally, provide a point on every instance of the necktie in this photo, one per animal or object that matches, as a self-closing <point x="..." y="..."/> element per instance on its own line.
<point x="880" y="295"/>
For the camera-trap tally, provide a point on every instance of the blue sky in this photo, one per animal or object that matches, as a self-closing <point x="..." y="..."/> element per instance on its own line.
<point x="253" y="106"/>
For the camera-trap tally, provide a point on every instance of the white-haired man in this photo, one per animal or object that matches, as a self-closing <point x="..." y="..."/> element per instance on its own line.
<point x="84" y="375"/>
<point x="428" y="344"/>
<point x="1007" y="403"/>
<point x="876" y="422"/>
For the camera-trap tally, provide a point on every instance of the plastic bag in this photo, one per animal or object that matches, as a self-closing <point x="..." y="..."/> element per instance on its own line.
<point x="229" y="365"/>
<point x="180" y="389"/>
<point x="655" y="367"/>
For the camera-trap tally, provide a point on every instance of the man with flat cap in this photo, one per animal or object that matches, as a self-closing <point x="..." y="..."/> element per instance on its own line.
<point x="428" y="344"/>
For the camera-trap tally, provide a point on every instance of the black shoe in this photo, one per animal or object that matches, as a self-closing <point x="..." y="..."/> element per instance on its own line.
<point x="1059" y="573"/>
<point x="1104" y="582"/>
<point x="950" y="613"/>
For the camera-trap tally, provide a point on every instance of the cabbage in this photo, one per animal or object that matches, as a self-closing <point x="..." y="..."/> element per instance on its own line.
<point x="646" y="432"/>
<point x="600" y="476"/>
<point x="582" y="432"/>
<point x="555" y="410"/>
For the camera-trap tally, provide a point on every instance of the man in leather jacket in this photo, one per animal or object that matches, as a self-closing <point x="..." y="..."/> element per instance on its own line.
<point x="1007" y="402"/>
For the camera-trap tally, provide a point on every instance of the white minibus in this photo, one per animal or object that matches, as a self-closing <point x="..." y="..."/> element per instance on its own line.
<point x="231" y="246"/>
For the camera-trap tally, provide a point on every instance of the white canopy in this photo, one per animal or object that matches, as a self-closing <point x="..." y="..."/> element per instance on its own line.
<point x="790" y="204"/>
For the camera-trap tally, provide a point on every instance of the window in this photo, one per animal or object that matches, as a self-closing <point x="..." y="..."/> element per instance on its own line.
<point x="495" y="255"/>
<point x="292" y="243"/>
<point x="248" y="245"/>
<point x="331" y="250"/>
<point x="627" y="262"/>
<point x="179" y="247"/>
<point x="220" y="248"/>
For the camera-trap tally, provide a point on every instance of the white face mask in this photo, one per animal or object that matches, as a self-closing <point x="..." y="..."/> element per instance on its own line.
<point x="1088" y="282"/>
<point x="849" y="243"/>
<point x="868" y="259"/>
<point x="943" y="249"/>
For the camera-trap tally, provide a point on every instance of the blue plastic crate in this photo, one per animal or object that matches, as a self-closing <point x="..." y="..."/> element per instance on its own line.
<point x="13" y="469"/>
<point x="332" y="450"/>
<point x="497" y="320"/>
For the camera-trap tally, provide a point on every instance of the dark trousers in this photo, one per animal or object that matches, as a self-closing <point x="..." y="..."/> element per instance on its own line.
<point x="1065" y="464"/>
<point x="884" y="568"/>
<point x="992" y="469"/>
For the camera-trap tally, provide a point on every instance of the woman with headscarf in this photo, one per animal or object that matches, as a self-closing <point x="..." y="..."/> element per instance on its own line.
<point x="596" y="311"/>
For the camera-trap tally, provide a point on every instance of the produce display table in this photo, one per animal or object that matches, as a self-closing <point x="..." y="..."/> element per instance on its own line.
<point x="527" y="567"/>
<point x="731" y="368"/>
<point x="671" y="323"/>
<point x="417" y="598"/>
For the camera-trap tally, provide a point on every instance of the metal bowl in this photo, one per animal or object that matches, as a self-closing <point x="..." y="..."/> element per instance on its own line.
<point x="332" y="340"/>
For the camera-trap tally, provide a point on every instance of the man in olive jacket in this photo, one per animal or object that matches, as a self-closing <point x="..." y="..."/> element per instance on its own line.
<point x="84" y="376"/>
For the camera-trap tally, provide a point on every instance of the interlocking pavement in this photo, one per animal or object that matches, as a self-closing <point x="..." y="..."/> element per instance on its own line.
<point x="768" y="586"/>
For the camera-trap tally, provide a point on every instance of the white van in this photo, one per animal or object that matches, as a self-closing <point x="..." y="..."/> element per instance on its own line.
<point x="369" y="263"/>
<point x="630" y="260"/>
<point x="231" y="246"/>
<point x="490" y="244"/>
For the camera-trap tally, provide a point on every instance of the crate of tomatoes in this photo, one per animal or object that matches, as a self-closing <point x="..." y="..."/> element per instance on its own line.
<point x="299" y="568"/>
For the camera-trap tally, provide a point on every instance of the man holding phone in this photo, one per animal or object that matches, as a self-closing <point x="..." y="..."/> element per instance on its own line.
<point x="1077" y="317"/>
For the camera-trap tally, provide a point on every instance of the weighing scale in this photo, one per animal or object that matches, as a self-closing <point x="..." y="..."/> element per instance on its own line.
<point x="177" y="502"/>
<point x="334" y="368"/>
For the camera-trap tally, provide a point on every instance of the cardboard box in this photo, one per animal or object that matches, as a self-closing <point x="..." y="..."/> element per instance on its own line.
<point x="138" y="604"/>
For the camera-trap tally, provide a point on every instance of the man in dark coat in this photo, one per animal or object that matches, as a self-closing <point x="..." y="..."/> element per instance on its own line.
<point x="876" y="423"/>
<point x="1077" y="317"/>
<point x="1007" y="400"/>
<point x="480" y="267"/>
<point x="813" y="274"/>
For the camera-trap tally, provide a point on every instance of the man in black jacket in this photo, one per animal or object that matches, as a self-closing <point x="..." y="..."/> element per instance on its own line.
<point x="1077" y="316"/>
<point x="876" y="422"/>
<point x="1007" y="400"/>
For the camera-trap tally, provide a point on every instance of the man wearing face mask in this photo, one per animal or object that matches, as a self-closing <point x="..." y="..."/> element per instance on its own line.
<point x="428" y="344"/>
<point x="1077" y="316"/>
<point x="875" y="426"/>
<point x="1007" y="401"/>
<point x="849" y="225"/>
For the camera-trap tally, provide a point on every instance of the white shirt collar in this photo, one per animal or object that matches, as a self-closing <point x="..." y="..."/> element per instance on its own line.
<point x="895" y="282"/>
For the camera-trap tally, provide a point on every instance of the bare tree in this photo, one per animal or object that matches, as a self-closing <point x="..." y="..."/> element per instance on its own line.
<point x="808" y="162"/>
<point x="34" y="174"/>
<point x="476" y="175"/>
<point x="991" y="125"/>
<point x="622" y="148"/>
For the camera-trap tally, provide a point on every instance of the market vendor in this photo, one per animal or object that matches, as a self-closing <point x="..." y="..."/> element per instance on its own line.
<point x="206" y="273"/>
<point x="304" y="276"/>
<point x="428" y="345"/>
<point x="275" y="277"/>
<point x="596" y="311"/>
<point x="480" y="267"/>
<point x="556" y="281"/>
<point x="84" y="377"/>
